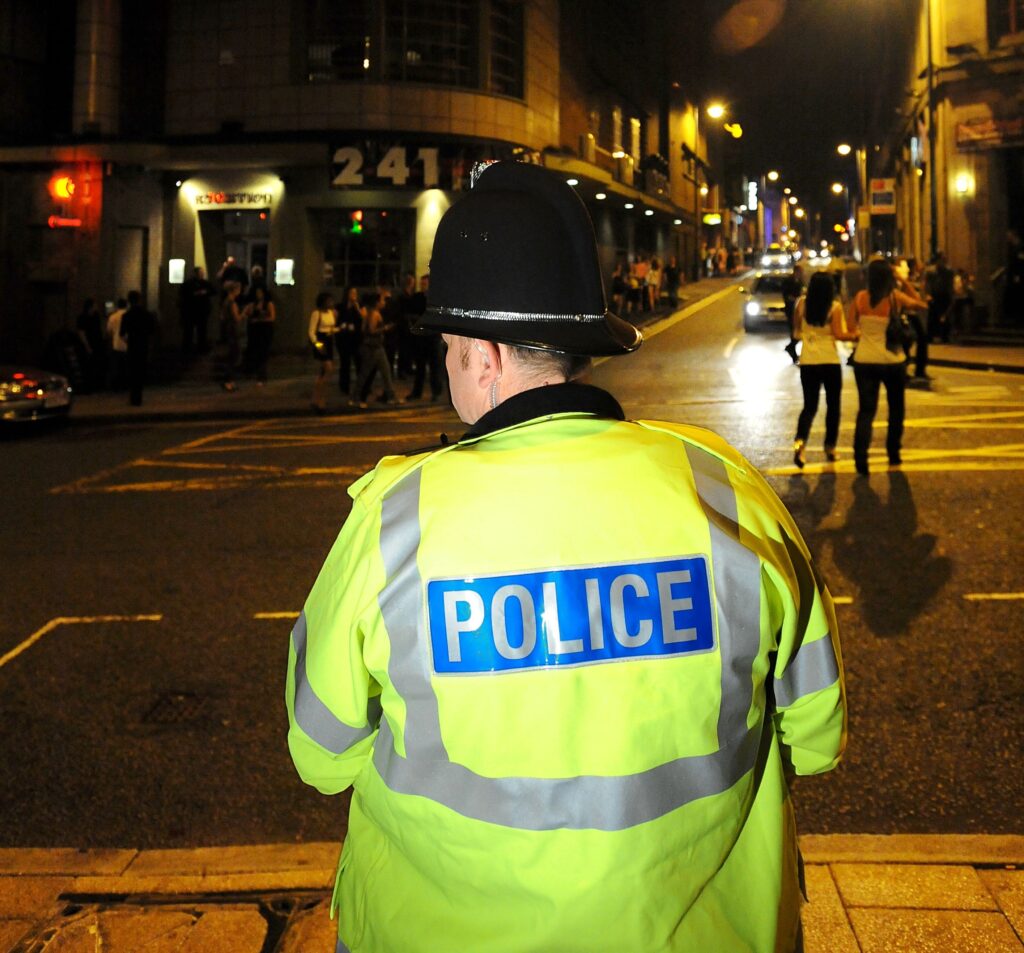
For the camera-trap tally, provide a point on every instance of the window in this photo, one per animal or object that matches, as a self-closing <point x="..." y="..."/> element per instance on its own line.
<point x="1005" y="18"/>
<point x="634" y="139"/>
<point x="507" y="47"/>
<point x="418" y="41"/>
<point x="372" y="257"/>
<point x="616" y="129"/>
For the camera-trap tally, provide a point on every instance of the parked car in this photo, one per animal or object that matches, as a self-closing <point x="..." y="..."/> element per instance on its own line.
<point x="776" y="258"/>
<point x="29" y="394"/>
<point x="763" y="303"/>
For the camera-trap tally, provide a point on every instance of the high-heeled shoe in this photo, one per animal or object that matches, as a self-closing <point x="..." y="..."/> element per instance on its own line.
<point x="831" y="454"/>
<point x="798" y="453"/>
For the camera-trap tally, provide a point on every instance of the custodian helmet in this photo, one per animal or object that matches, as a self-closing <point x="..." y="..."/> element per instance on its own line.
<point x="515" y="261"/>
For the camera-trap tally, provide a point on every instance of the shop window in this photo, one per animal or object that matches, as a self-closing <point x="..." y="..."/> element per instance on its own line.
<point x="340" y="39"/>
<point x="431" y="41"/>
<point x="373" y="255"/>
<point x="1005" y="18"/>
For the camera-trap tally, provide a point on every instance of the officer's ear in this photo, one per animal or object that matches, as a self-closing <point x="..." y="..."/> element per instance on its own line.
<point x="488" y="362"/>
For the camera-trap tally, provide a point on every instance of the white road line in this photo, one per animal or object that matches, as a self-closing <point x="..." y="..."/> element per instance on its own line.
<point x="71" y="620"/>
<point x="993" y="596"/>
<point x="275" y="615"/>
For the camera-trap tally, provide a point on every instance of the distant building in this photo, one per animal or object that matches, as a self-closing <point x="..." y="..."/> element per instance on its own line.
<point x="977" y="62"/>
<point x="319" y="140"/>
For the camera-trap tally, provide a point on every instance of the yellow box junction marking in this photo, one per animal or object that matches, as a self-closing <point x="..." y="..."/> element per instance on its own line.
<point x="993" y="596"/>
<point x="71" y="620"/>
<point x="275" y="615"/>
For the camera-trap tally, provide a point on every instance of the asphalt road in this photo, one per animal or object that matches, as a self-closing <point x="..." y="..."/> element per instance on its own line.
<point x="151" y="571"/>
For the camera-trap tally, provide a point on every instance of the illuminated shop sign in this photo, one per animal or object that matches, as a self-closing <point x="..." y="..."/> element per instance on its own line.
<point x="370" y="164"/>
<point x="234" y="198"/>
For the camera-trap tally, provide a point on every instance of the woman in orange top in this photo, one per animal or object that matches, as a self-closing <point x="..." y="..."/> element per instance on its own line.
<point x="875" y="365"/>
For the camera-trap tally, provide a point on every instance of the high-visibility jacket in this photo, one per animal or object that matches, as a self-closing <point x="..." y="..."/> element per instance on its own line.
<point x="566" y="667"/>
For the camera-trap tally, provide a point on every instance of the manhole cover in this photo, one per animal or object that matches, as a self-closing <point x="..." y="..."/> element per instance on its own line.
<point x="176" y="708"/>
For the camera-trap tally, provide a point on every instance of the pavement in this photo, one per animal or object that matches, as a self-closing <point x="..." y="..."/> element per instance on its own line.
<point x="866" y="893"/>
<point x="288" y="393"/>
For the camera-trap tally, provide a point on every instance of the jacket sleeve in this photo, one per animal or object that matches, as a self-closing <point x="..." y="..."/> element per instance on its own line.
<point x="333" y="701"/>
<point x="806" y="679"/>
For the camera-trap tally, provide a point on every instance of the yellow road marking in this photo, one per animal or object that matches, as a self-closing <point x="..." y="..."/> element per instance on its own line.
<point x="275" y="615"/>
<point x="993" y="596"/>
<point x="842" y="600"/>
<point x="71" y="620"/>
<point x="201" y="441"/>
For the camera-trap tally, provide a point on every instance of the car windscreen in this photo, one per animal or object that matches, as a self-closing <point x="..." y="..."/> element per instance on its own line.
<point x="767" y="284"/>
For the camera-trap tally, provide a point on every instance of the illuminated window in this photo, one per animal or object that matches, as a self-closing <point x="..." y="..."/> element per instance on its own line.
<point x="1005" y="18"/>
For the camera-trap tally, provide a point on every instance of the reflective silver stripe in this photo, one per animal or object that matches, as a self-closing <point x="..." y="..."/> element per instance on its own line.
<point x="588" y="801"/>
<point x="813" y="668"/>
<point x="513" y="315"/>
<point x="737" y="578"/>
<point x="313" y="716"/>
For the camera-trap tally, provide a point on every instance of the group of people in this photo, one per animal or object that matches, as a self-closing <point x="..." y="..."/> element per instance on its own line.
<point x="872" y="322"/>
<point x="638" y="284"/>
<point x="370" y="336"/>
<point x="720" y="261"/>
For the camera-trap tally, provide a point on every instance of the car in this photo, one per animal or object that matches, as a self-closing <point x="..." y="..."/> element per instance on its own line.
<point x="29" y="394"/>
<point x="776" y="258"/>
<point x="764" y="304"/>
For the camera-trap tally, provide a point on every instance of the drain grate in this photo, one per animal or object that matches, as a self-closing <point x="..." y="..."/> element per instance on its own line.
<point x="176" y="708"/>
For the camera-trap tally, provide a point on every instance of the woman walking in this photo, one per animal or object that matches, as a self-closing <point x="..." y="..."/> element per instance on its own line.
<point x="259" y="315"/>
<point x="875" y="364"/>
<point x="818" y="322"/>
<point x="372" y="355"/>
<point x="323" y="325"/>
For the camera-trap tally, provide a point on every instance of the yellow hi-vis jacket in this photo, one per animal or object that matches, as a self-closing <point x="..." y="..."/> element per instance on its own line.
<point x="566" y="667"/>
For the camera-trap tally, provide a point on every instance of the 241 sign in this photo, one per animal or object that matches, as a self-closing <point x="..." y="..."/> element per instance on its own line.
<point x="376" y="165"/>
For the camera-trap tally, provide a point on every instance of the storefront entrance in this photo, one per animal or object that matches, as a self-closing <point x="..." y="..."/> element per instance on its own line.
<point x="244" y="235"/>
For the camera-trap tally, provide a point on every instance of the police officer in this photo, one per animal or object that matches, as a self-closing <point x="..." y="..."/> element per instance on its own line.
<point x="568" y="661"/>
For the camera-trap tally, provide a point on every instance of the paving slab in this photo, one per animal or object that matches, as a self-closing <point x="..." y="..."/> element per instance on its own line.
<point x="259" y="858"/>
<point x="152" y="931"/>
<point x="985" y="849"/>
<point x="270" y="881"/>
<point x="933" y="931"/>
<point x="11" y="931"/>
<point x="1007" y="887"/>
<point x="31" y="896"/>
<point x="63" y="860"/>
<point x="920" y="886"/>
<point x="311" y="931"/>
<point x="230" y="930"/>
<point x="827" y="929"/>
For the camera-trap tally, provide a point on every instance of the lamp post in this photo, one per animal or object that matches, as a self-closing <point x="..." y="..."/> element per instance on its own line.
<point x="933" y="201"/>
<point x="861" y="160"/>
<point x="715" y="110"/>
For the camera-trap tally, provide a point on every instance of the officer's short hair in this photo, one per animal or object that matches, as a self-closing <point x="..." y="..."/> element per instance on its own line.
<point x="570" y="366"/>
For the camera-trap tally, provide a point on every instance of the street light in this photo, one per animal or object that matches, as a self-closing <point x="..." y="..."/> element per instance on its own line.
<point x="844" y="149"/>
<point x="773" y="176"/>
<point x="715" y="110"/>
<point x="837" y="188"/>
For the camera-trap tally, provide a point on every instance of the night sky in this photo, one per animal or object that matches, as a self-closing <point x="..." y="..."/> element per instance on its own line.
<point x="828" y="71"/>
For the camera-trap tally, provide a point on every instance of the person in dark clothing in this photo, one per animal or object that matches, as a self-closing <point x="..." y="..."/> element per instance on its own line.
<point x="347" y="338"/>
<point x="426" y="350"/>
<point x="231" y="271"/>
<point x="405" y="318"/>
<point x="137" y="327"/>
<point x="672" y="281"/>
<point x="194" y="300"/>
<point x="792" y="291"/>
<point x="939" y="288"/>
<point x="89" y="324"/>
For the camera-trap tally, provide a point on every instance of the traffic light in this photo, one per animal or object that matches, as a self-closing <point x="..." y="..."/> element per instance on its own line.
<point x="357" y="221"/>
<point x="61" y="187"/>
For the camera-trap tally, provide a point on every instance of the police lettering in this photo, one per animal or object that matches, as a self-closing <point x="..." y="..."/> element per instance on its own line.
<point x="562" y="617"/>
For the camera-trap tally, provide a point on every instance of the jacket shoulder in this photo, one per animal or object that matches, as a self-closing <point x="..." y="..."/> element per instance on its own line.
<point x="371" y="487"/>
<point x="706" y="440"/>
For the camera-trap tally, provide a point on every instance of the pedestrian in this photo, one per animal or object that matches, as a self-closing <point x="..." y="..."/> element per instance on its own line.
<point x="640" y="269"/>
<point x="818" y="322"/>
<point x="137" y="328"/>
<point x="672" y="275"/>
<point x="633" y="288"/>
<point x="118" y="346"/>
<point x="619" y="286"/>
<point x="89" y="325"/>
<point x="426" y="350"/>
<point x="373" y="358"/>
<point x="653" y="284"/>
<point x="903" y="270"/>
<point x="569" y="710"/>
<point x="938" y="286"/>
<point x="405" y="317"/>
<point x="792" y="289"/>
<point x="259" y="316"/>
<point x="230" y="322"/>
<point x="194" y="299"/>
<point x="323" y="327"/>
<point x="346" y="340"/>
<point x="875" y="364"/>
<point x="1013" y="292"/>
<point x="232" y="271"/>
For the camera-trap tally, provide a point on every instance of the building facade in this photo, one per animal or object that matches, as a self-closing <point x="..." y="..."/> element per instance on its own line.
<point x="958" y="156"/>
<point x="320" y="140"/>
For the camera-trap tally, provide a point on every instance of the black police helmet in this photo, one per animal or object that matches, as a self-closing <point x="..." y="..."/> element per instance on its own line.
<point x="515" y="261"/>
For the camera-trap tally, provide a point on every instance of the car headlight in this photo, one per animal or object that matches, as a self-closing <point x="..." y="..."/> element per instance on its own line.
<point x="753" y="308"/>
<point x="766" y="260"/>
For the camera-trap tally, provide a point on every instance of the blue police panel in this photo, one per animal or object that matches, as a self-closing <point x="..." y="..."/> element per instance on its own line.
<point x="579" y="616"/>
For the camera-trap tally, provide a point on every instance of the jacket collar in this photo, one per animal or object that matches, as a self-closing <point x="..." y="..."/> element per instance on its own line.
<point x="568" y="398"/>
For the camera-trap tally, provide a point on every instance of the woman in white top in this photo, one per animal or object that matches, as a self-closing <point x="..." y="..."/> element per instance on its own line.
<point x="818" y="322"/>
<point x="323" y="325"/>
<point x="874" y="364"/>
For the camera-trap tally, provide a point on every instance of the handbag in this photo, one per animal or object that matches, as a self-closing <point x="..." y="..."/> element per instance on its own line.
<point x="899" y="334"/>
